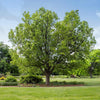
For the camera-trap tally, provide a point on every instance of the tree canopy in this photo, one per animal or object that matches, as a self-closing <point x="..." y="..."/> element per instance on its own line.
<point x="5" y="58"/>
<point x="5" y="61"/>
<point x="48" y="43"/>
<point x="94" y="62"/>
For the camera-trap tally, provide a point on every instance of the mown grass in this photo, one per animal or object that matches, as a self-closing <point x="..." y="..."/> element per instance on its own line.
<point x="87" y="81"/>
<point x="89" y="92"/>
<point x="50" y="93"/>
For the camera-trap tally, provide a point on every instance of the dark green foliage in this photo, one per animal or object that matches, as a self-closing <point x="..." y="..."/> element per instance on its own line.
<point x="4" y="52"/>
<point x="10" y="79"/>
<point x="14" y="70"/>
<point x="30" y="79"/>
<point x="97" y="68"/>
<point x="54" y="83"/>
<point x="5" y="58"/>
<point x="94" y="62"/>
<point x="4" y="66"/>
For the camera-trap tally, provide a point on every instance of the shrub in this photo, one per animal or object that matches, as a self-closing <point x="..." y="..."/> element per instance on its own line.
<point x="8" y="83"/>
<point x="2" y="78"/>
<point x="30" y="79"/>
<point x="66" y="83"/>
<point x="10" y="79"/>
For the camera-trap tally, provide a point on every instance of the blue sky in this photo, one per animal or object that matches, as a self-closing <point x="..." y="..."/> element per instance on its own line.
<point x="11" y="13"/>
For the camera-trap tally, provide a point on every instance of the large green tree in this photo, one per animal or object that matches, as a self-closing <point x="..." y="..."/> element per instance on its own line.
<point x="48" y="43"/>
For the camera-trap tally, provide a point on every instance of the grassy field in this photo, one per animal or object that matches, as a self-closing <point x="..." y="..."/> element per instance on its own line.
<point x="87" y="81"/>
<point x="50" y="93"/>
<point x="91" y="91"/>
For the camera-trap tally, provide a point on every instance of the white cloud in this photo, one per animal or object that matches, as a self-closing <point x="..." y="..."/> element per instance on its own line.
<point x="98" y="14"/>
<point x="97" y="33"/>
<point x="97" y="37"/>
<point x="5" y="26"/>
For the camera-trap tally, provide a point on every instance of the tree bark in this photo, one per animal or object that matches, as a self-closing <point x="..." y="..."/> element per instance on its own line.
<point x="47" y="79"/>
<point x="91" y="75"/>
<point x="91" y="70"/>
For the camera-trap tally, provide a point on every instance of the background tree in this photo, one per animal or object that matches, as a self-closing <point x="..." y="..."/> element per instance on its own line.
<point x="14" y="70"/>
<point x="5" y="58"/>
<point x="94" y="62"/>
<point x="79" y="67"/>
<point x="74" y="68"/>
<point x="47" y="43"/>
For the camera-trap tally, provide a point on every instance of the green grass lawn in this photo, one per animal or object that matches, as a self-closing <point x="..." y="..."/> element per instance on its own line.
<point x="91" y="91"/>
<point x="87" y="81"/>
<point x="50" y="93"/>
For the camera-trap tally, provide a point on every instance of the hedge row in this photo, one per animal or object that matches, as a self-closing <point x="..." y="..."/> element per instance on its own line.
<point x="8" y="83"/>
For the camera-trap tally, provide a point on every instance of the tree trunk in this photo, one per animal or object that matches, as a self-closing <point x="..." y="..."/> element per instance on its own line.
<point x="91" y="75"/>
<point x="47" y="79"/>
<point x="91" y="71"/>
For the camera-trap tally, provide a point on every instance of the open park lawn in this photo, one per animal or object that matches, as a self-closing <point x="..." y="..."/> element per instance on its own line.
<point x="50" y="93"/>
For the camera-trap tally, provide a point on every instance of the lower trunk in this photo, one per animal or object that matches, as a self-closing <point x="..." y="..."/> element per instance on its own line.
<point x="91" y="76"/>
<point x="91" y="72"/>
<point x="47" y="79"/>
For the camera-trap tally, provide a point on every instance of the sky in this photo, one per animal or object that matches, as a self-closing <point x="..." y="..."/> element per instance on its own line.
<point x="11" y="12"/>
